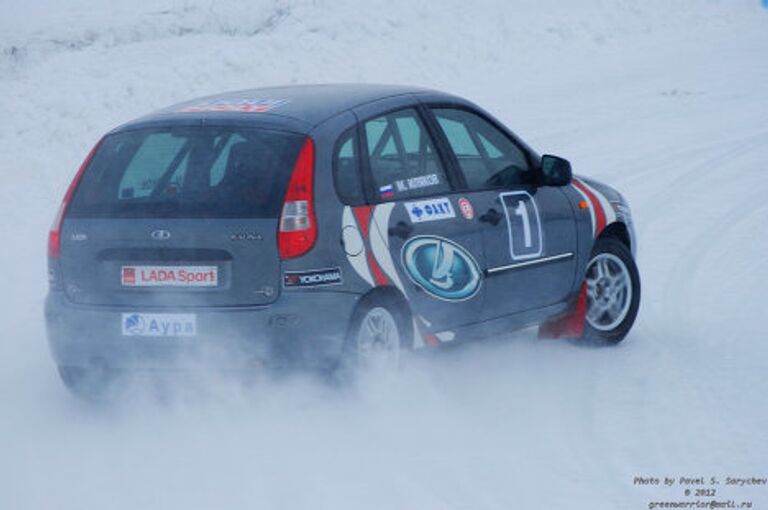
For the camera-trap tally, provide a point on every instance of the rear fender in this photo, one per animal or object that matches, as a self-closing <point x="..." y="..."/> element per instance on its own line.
<point x="393" y="299"/>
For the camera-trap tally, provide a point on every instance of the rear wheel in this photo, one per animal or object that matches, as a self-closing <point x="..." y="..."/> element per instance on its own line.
<point x="377" y="342"/>
<point x="380" y="332"/>
<point x="613" y="292"/>
<point x="91" y="383"/>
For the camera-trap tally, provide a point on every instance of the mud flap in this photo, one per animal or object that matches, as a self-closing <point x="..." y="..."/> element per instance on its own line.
<point x="570" y="325"/>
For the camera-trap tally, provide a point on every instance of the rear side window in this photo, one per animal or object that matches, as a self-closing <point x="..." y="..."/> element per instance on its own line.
<point x="402" y="158"/>
<point x="487" y="157"/>
<point x="347" y="173"/>
<point x="212" y="172"/>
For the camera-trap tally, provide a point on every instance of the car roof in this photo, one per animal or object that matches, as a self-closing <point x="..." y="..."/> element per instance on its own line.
<point x="292" y="106"/>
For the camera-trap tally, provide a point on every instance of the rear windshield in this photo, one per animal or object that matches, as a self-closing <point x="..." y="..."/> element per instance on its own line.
<point x="182" y="172"/>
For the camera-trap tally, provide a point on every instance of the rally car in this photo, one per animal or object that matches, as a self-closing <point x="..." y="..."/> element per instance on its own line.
<point x="326" y="226"/>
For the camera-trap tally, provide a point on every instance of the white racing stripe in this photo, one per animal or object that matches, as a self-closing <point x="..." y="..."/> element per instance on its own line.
<point x="351" y="235"/>
<point x="610" y="215"/>
<point x="380" y="243"/>
<point x="591" y="208"/>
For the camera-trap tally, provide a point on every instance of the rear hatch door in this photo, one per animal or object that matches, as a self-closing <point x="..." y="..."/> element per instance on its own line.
<point x="179" y="216"/>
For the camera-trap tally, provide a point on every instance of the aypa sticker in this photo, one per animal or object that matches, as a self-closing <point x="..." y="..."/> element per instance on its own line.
<point x="330" y="276"/>
<point x="421" y="181"/>
<point x="465" y="206"/>
<point x="430" y="210"/>
<point x="159" y="324"/>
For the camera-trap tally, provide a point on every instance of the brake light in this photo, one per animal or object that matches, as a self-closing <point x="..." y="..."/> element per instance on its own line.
<point x="54" y="236"/>
<point x="298" y="228"/>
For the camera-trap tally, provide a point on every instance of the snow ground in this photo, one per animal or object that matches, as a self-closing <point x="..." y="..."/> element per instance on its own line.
<point x="666" y="100"/>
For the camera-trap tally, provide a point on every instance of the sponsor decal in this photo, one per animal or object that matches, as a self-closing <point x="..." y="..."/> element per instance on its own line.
<point x="169" y="276"/>
<point x="465" y="206"/>
<point x="430" y="210"/>
<point x="316" y="278"/>
<point x="387" y="191"/>
<point x="441" y="267"/>
<point x="159" y="324"/>
<point x="420" y="181"/>
<point x="256" y="105"/>
<point x="129" y="276"/>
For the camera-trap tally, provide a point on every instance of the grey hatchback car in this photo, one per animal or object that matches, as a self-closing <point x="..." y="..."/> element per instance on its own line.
<point x="326" y="226"/>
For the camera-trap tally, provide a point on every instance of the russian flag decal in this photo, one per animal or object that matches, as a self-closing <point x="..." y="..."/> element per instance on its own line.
<point x="386" y="191"/>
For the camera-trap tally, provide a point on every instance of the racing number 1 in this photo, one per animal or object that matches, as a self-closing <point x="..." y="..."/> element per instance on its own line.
<point x="523" y="224"/>
<point x="522" y="211"/>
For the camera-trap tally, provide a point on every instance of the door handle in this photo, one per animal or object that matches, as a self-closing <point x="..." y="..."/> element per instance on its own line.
<point x="401" y="230"/>
<point x="491" y="216"/>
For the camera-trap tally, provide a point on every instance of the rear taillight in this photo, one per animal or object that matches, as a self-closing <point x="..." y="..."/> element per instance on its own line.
<point x="298" y="228"/>
<point x="54" y="236"/>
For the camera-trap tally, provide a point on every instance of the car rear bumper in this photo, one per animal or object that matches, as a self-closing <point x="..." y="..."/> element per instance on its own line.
<point x="300" y="329"/>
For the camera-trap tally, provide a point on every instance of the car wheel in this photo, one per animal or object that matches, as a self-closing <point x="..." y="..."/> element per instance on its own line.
<point x="613" y="292"/>
<point x="92" y="383"/>
<point x="380" y="332"/>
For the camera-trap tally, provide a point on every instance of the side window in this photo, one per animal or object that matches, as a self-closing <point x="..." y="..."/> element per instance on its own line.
<point x="486" y="156"/>
<point x="346" y="172"/>
<point x="402" y="158"/>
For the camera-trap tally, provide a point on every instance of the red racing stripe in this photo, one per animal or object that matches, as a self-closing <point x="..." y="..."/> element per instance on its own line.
<point x="363" y="215"/>
<point x="378" y="274"/>
<point x="599" y="213"/>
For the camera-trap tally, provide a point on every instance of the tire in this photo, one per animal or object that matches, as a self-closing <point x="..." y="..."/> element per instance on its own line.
<point x="613" y="292"/>
<point x="380" y="332"/>
<point x="91" y="384"/>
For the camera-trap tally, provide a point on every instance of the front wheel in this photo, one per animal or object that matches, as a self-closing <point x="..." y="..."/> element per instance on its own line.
<point x="613" y="292"/>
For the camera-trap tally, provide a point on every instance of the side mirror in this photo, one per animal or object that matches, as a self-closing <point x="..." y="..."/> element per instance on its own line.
<point x="555" y="171"/>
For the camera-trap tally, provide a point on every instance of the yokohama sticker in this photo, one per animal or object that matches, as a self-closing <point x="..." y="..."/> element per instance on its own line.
<point x="316" y="278"/>
<point x="169" y="276"/>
